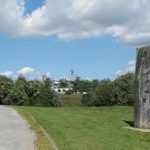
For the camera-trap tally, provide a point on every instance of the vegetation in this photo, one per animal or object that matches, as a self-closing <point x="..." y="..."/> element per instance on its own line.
<point x="90" y="128"/>
<point x="71" y="100"/>
<point x="81" y="86"/>
<point x="23" y="92"/>
<point x="101" y="92"/>
<point x="111" y="93"/>
<point x="78" y="128"/>
<point x="94" y="93"/>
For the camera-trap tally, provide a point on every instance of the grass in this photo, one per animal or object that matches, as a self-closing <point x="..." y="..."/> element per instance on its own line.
<point x="90" y="128"/>
<point x="71" y="100"/>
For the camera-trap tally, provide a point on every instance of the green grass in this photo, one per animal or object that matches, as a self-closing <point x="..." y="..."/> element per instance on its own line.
<point x="90" y="128"/>
<point x="71" y="100"/>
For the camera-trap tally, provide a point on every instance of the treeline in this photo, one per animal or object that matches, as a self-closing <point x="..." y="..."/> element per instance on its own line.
<point x="106" y="92"/>
<point x="23" y="92"/>
<point x="111" y="93"/>
<point x="91" y="93"/>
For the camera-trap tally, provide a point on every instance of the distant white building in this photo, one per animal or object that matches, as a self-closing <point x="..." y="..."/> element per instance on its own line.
<point x="61" y="90"/>
<point x="56" y="87"/>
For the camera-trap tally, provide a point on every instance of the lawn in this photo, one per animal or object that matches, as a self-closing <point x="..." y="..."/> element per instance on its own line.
<point x="71" y="100"/>
<point x="90" y="128"/>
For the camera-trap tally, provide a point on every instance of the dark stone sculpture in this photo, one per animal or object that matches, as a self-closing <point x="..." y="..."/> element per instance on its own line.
<point x="142" y="85"/>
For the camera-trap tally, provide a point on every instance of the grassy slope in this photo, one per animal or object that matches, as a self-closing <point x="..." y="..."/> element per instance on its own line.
<point x="70" y="100"/>
<point x="90" y="128"/>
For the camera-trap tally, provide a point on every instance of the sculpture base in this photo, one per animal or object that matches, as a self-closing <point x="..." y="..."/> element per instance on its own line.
<point x="139" y="129"/>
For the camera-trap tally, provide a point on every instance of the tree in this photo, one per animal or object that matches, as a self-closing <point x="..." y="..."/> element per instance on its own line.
<point x="47" y="81"/>
<point x="17" y="94"/>
<point x="63" y="83"/>
<point x="124" y="89"/>
<point x="47" y="98"/>
<point x="5" y="85"/>
<point x="33" y="89"/>
<point x="104" y="93"/>
<point x="110" y="93"/>
<point x="89" y="99"/>
<point x="82" y="86"/>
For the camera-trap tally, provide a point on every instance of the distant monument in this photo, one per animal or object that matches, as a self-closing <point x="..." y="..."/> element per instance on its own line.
<point x="142" y="94"/>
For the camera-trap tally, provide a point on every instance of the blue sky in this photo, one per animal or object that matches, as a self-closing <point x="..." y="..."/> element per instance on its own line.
<point x="33" y="4"/>
<point x="90" y="57"/>
<point x="93" y="58"/>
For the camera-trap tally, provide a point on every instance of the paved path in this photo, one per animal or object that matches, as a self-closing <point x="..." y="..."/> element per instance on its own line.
<point x="14" y="131"/>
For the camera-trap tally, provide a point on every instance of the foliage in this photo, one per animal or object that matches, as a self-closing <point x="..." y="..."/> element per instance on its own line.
<point x="17" y="96"/>
<point x="82" y="86"/>
<point x="88" y="99"/>
<point x="124" y="89"/>
<point x="104" y="94"/>
<point x="5" y="85"/>
<point x="110" y="93"/>
<point x="47" y="81"/>
<point x="94" y="93"/>
<point x="47" y="98"/>
<point x="63" y="83"/>
<point x="23" y="92"/>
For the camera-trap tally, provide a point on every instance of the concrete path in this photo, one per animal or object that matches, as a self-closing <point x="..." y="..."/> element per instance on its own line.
<point x="14" y="131"/>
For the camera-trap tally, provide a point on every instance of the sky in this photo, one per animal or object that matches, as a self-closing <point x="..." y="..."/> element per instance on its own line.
<point x="53" y="37"/>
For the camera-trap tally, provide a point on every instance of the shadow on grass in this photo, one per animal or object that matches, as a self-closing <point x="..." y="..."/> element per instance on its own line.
<point x="130" y="123"/>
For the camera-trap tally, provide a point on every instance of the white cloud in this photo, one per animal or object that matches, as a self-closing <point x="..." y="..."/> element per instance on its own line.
<point x="129" y="68"/>
<point x="71" y="19"/>
<point x="132" y="63"/>
<point x="8" y="74"/>
<point x="11" y="16"/>
<point x="28" y="72"/>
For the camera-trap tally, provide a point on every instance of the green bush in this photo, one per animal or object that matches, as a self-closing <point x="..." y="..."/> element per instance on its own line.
<point x="88" y="99"/>
<point x="23" y="92"/>
<point x="124" y="89"/>
<point x="94" y="93"/>
<point x="5" y="85"/>
<point x="110" y="93"/>
<point x="47" y="98"/>
<point x="16" y="97"/>
<point x="104" y="94"/>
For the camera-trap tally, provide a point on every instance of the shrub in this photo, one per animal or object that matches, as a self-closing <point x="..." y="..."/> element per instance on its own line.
<point x="16" y="97"/>
<point x="47" y="98"/>
<point x="104" y="94"/>
<point x="23" y="92"/>
<point x="88" y="99"/>
<point x="124" y="89"/>
<point x="110" y="93"/>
